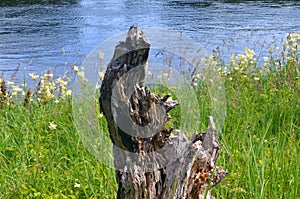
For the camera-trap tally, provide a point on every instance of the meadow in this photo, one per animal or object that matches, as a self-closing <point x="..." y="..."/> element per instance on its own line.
<point x="41" y="155"/>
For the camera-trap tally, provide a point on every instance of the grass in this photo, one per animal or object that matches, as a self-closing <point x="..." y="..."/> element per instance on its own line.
<point x="37" y="162"/>
<point x="41" y="155"/>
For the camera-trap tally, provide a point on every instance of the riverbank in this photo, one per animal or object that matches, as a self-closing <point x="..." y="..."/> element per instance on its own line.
<point x="41" y="155"/>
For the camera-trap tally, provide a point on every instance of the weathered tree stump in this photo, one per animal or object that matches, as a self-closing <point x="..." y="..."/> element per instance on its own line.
<point x="152" y="161"/>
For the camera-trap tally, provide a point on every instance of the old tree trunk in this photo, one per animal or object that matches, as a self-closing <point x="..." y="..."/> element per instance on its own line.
<point x="152" y="161"/>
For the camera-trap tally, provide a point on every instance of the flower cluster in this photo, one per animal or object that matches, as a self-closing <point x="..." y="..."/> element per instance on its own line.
<point x="46" y="88"/>
<point x="246" y="66"/>
<point x="281" y="62"/>
<point x="49" y="88"/>
<point x="291" y="46"/>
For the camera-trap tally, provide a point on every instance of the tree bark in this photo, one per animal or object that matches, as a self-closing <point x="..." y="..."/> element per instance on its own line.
<point x="152" y="161"/>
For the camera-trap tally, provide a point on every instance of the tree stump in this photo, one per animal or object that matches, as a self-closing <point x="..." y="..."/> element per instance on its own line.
<point x="152" y="161"/>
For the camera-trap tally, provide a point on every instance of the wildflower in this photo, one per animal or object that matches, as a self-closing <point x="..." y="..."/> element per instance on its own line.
<point x="48" y="75"/>
<point x="101" y="75"/>
<point x="77" y="185"/>
<point x="81" y="74"/>
<point x="249" y="53"/>
<point x="33" y="76"/>
<point x="241" y="58"/>
<point x="266" y="59"/>
<point x="276" y="49"/>
<point x="270" y="50"/>
<point x="47" y="96"/>
<point x="61" y="82"/>
<point x="68" y="92"/>
<point x="295" y="48"/>
<point x="52" y="126"/>
<point x="98" y="86"/>
<point x="14" y="94"/>
<point x="42" y="82"/>
<point x="75" y="68"/>
<point x="100" y="115"/>
<point x="16" y="89"/>
<point x="10" y="83"/>
<point x="256" y="78"/>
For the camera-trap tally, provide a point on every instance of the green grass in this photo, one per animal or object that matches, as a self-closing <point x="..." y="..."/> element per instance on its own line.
<point x="260" y="139"/>
<point x="261" y="136"/>
<point x="37" y="162"/>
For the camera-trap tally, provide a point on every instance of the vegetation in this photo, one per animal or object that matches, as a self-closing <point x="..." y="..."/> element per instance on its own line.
<point x="41" y="155"/>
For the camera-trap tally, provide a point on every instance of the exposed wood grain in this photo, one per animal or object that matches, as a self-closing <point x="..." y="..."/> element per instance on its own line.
<point x="193" y="162"/>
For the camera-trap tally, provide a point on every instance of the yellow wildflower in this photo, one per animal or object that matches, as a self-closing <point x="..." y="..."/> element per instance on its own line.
<point x="61" y="82"/>
<point x="68" y="92"/>
<point x="47" y="96"/>
<point x="81" y="74"/>
<point x="249" y="53"/>
<point x="48" y="75"/>
<point x="75" y="68"/>
<point x="10" y="83"/>
<point x="101" y="75"/>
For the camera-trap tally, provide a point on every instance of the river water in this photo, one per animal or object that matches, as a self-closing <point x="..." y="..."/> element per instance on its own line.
<point x="36" y="35"/>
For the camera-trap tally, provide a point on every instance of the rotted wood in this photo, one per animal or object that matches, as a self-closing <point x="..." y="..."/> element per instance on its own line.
<point x="192" y="172"/>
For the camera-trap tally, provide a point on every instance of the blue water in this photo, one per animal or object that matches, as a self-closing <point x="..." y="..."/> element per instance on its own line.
<point x="37" y="35"/>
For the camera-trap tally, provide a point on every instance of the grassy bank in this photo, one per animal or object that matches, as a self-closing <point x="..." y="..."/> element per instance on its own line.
<point x="41" y="155"/>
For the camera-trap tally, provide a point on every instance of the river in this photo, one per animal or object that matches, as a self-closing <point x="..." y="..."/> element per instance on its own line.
<point x="39" y="34"/>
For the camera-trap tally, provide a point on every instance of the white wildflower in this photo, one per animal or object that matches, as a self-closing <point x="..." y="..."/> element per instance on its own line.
<point x="33" y="76"/>
<point x="52" y="126"/>
<point x="77" y="185"/>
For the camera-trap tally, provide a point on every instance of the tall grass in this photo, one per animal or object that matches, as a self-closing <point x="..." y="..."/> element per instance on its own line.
<point x="261" y="133"/>
<point x="39" y="161"/>
<point x="41" y="155"/>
